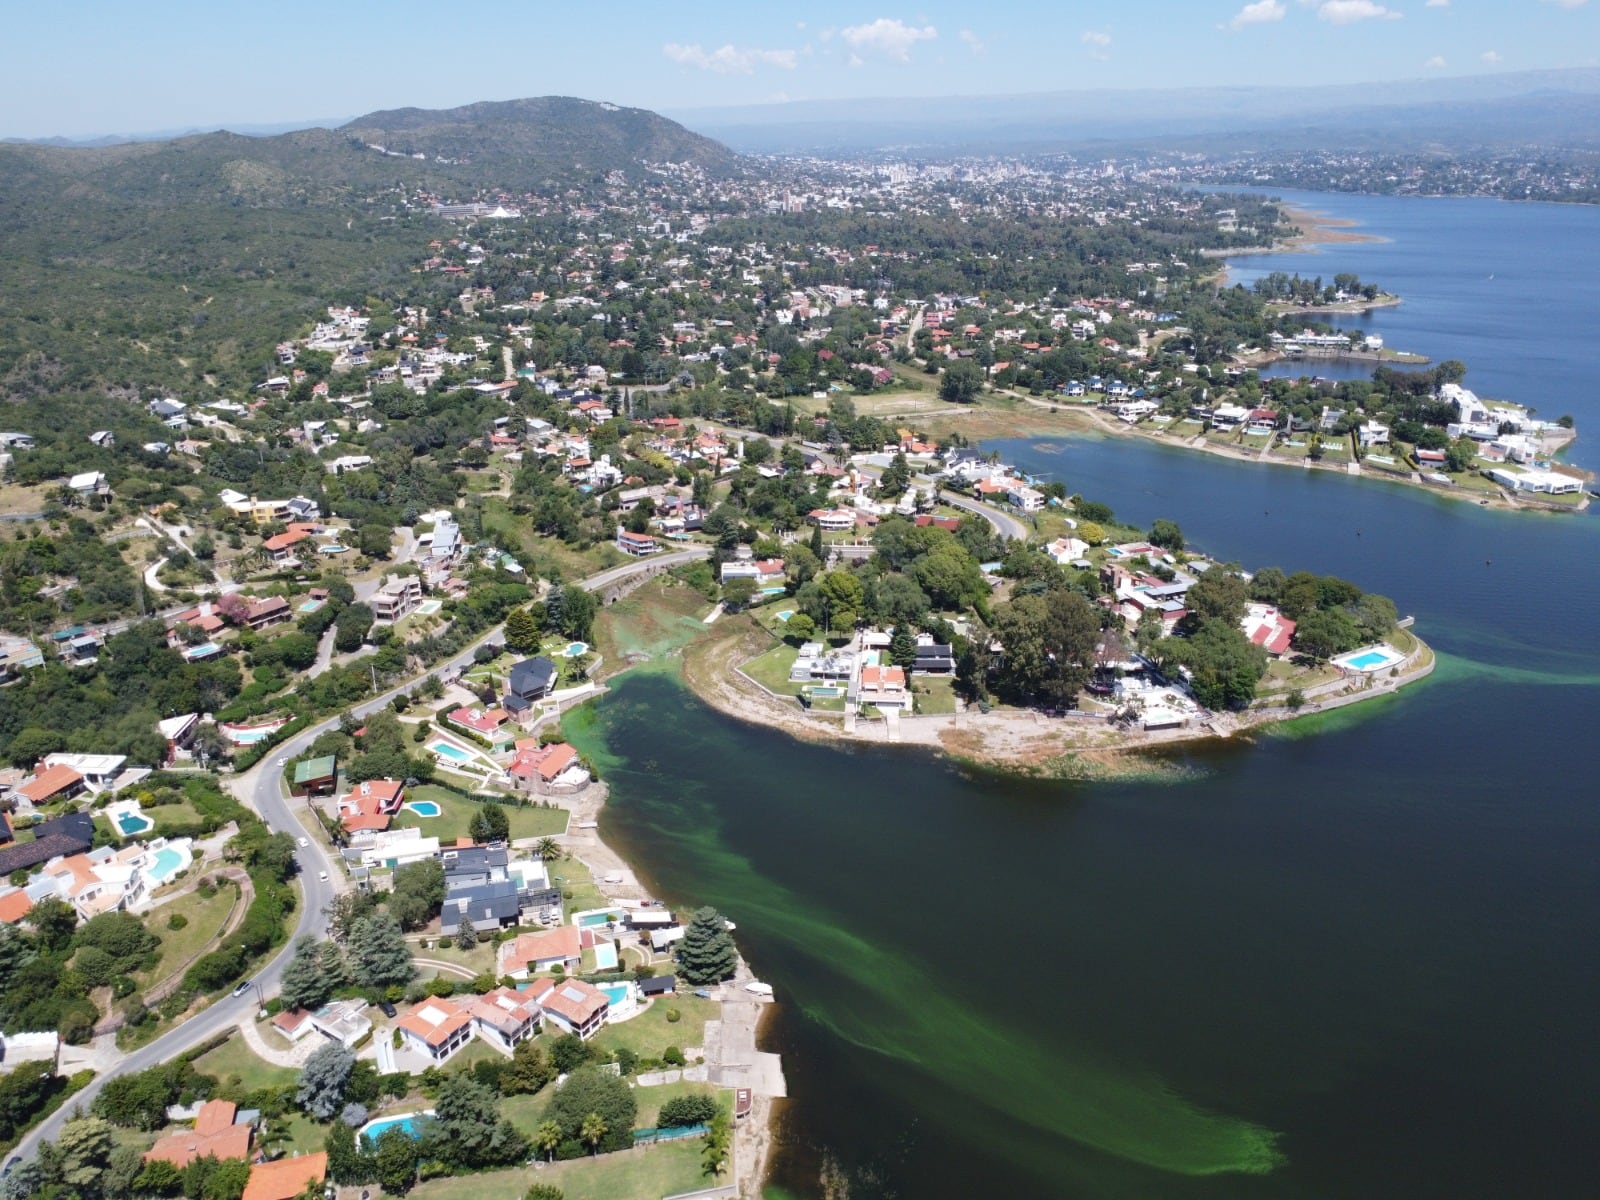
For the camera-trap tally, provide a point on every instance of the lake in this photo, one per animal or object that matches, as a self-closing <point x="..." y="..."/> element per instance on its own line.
<point x="1352" y="958"/>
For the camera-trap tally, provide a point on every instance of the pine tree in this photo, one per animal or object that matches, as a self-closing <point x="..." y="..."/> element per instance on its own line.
<point x="378" y="952"/>
<point x="707" y="953"/>
<point x="903" y="647"/>
<point x="816" y="542"/>
<point x="466" y="935"/>
<point x="522" y="631"/>
<point x="323" y="1080"/>
<point x="306" y="981"/>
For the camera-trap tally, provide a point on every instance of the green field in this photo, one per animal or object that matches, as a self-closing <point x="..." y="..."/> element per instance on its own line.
<point x="643" y="1174"/>
<point x="648" y="1034"/>
<point x="935" y="693"/>
<point x="771" y="670"/>
<point x="205" y="917"/>
<point x="234" y="1058"/>
<point x="526" y="821"/>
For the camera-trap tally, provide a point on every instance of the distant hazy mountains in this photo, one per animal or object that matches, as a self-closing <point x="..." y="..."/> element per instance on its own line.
<point x="1543" y="108"/>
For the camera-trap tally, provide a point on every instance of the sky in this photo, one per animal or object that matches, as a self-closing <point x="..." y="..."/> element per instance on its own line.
<point x="108" y="66"/>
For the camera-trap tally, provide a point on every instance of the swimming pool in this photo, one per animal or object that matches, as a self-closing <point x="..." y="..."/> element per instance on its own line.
<point x="310" y="606"/>
<point x="826" y="692"/>
<point x="131" y="823"/>
<point x="334" y="548"/>
<point x="785" y="614"/>
<point x="618" y="994"/>
<point x="425" y="808"/>
<point x="1373" y="658"/>
<point x="372" y="1130"/>
<point x="249" y="735"/>
<point x="203" y="650"/>
<point x="428" y="607"/>
<point x="453" y="753"/>
<point x="774" y="591"/>
<point x="575" y="650"/>
<point x="605" y="957"/>
<point x="164" y="863"/>
<point x="595" y="918"/>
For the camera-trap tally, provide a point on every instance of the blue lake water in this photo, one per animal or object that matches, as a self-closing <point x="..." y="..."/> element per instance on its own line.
<point x="1353" y="957"/>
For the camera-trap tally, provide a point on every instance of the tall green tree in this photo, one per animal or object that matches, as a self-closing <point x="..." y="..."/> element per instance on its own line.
<point x="707" y="953"/>
<point x="522" y="631"/>
<point x="323" y="1080"/>
<point x="306" y="982"/>
<point x="903" y="648"/>
<point x="1049" y="646"/>
<point x="591" y="1091"/>
<point x="395" y="1161"/>
<point x="489" y="824"/>
<point x="378" y="952"/>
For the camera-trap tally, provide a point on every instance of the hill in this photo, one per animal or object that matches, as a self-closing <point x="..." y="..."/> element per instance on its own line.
<point x="161" y="264"/>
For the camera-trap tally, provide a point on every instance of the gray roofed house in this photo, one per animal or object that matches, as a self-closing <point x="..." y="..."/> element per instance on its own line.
<point x="485" y="906"/>
<point x="473" y="866"/>
<point x="532" y="678"/>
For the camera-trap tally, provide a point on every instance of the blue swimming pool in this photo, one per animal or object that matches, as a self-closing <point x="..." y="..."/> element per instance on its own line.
<point x="164" y="863"/>
<point x="310" y="606"/>
<point x="453" y="753"/>
<point x="203" y="650"/>
<point x="773" y="591"/>
<point x="1365" y="662"/>
<point x="575" y="650"/>
<point x="129" y="824"/>
<point x="617" y="993"/>
<point x="1374" y="658"/>
<point x="785" y="614"/>
<point x="605" y="957"/>
<point x="425" y="808"/>
<point x="372" y="1130"/>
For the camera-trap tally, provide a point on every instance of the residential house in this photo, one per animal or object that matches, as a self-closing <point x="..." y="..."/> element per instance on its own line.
<point x="637" y="545"/>
<point x="767" y="572"/>
<point x="1268" y="628"/>
<point x="1067" y="550"/>
<point x="486" y="723"/>
<point x="71" y="834"/>
<point x="287" y="1178"/>
<point x="51" y="784"/>
<point x="394" y="848"/>
<point x="505" y="1017"/>
<point x="264" y="614"/>
<point x="370" y="807"/>
<point x="546" y="769"/>
<point x="574" y="1006"/>
<point x="817" y="664"/>
<point x="833" y="520"/>
<point x="486" y="907"/>
<point x="399" y="596"/>
<point x="437" y="1027"/>
<point x="217" y="1133"/>
<point x="99" y="771"/>
<point x="315" y="776"/>
<point x="89" y="483"/>
<point x="14" y="905"/>
<point x="530" y="953"/>
<point x="179" y="733"/>
<point x="658" y="985"/>
<point x="280" y="547"/>
<point x="934" y="658"/>
<point x="532" y="679"/>
<point x="342" y="1021"/>
<point x="1373" y="433"/>
<point x="17" y="655"/>
<point x="883" y="687"/>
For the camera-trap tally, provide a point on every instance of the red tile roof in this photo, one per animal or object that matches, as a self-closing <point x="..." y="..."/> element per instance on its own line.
<point x="286" y="1178"/>
<point x="50" y="782"/>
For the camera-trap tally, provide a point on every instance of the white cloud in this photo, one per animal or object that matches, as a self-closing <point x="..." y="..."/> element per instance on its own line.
<point x="887" y="36"/>
<point x="973" y="41"/>
<point x="1099" y="44"/>
<point x="1437" y="4"/>
<point x="1258" y="13"/>
<point x="729" y="59"/>
<point x="1490" y="56"/>
<point x="1435" y="63"/>
<point x="1347" y="12"/>
<point x="1567" y="3"/>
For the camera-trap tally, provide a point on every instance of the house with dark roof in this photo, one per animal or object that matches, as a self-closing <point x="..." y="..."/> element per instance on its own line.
<point x="484" y="906"/>
<point x="532" y="679"/>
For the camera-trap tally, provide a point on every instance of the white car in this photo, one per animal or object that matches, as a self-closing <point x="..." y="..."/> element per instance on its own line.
<point x="323" y="875"/>
<point x="305" y="841"/>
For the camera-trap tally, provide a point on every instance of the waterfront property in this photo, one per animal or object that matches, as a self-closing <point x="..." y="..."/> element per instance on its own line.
<point x="1369" y="659"/>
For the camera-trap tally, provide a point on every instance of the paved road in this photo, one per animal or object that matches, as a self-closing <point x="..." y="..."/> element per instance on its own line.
<point x="1004" y="524"/>
<point x="320" y="878"/>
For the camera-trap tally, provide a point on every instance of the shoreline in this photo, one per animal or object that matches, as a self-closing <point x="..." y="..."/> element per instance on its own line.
<point x="755" y="1138"/>
<point x="1014" y="741"/>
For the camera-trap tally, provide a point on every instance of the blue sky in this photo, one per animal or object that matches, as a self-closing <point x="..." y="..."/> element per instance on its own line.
<point x="104" y="67"/>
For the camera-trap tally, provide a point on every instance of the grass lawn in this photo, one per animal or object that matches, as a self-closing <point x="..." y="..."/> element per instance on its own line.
<point x="664" y="615"/>
<point x="477" y="960"/>
<point x="205" y="917"/>
<point x="542" y="556"/>
<point x="526" y="821"/>
<point x="642" y="1174"/>
<point x="572" y="876"/>
<point x="233" y="1057"/>
<point x="771" y="670"/>
<point x="652" y="1098"/>
<point x="304" y="1136"/>
<point x="935" y="693"/>
<point x="648" y="1034"/>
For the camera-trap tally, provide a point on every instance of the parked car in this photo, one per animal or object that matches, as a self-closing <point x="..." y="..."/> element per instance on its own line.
<point x="703" y="993"/>
<point x="322" y="875"/>
<point x="241" y="987"/>
<point x="305" y="841"/>
<point x="386" y="1008"/>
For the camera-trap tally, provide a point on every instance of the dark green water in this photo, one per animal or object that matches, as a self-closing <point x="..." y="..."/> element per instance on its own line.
<point x="1354" y="959"/>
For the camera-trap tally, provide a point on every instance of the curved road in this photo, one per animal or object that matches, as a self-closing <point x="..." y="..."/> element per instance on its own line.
<point x="262" y="789"/>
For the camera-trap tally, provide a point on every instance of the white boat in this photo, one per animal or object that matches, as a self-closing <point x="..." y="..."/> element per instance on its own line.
<point x="758" y="989"/>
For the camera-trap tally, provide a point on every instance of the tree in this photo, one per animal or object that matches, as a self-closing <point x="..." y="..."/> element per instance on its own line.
<point x="592" y="1131"/>
<point x="351" y="628"/>
<point x="1218" y="595"/>
<point x="528" y="1071"/>
<point x="590" y="1091"/>
<point x="547" y="1137"/>
<point x="1049" y="643"/>
<point x="489" y="824"/>
<point x="548" y="849"/>
<point x="417" y="893"/>
<point x="800" y="626"/>
<point x="470" y="1128"/>
<point x="1223" y="664"/>
<point x="225" y="1180"/>
<point x="572" y="610"/>
<point x="1167" y="535"/>
<point x="719" y="1140"/>
<point x="707" y="953"/>
<point x="544" y="1191"/>
<point x="687" y="1110"/>
<point x="54" y="921"/>
<point x="737" y="593"/>
<point x="378" y="952"/>
<point x="1325" y="632"/>
<point x="395" y="1161"/>
<point x="80" y="1156"/>
<point x="466" y="935"/>
<point x="896" y="477"/>
<point x="306" y="983"/>
<point x="346" y="1163"/>
<point x="158" y="1177"/>
<point x="323" y="1080"/>
<point x="1091" y="532"/>
<point x="963" y="380"/>
<point x="522" y="631"/>
<point x="903" y="648"/>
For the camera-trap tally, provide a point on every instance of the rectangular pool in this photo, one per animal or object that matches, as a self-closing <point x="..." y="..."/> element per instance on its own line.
<point x="1373" y="659"/>
<point x="605" y="957"/>
<point x="453" y="753"/>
